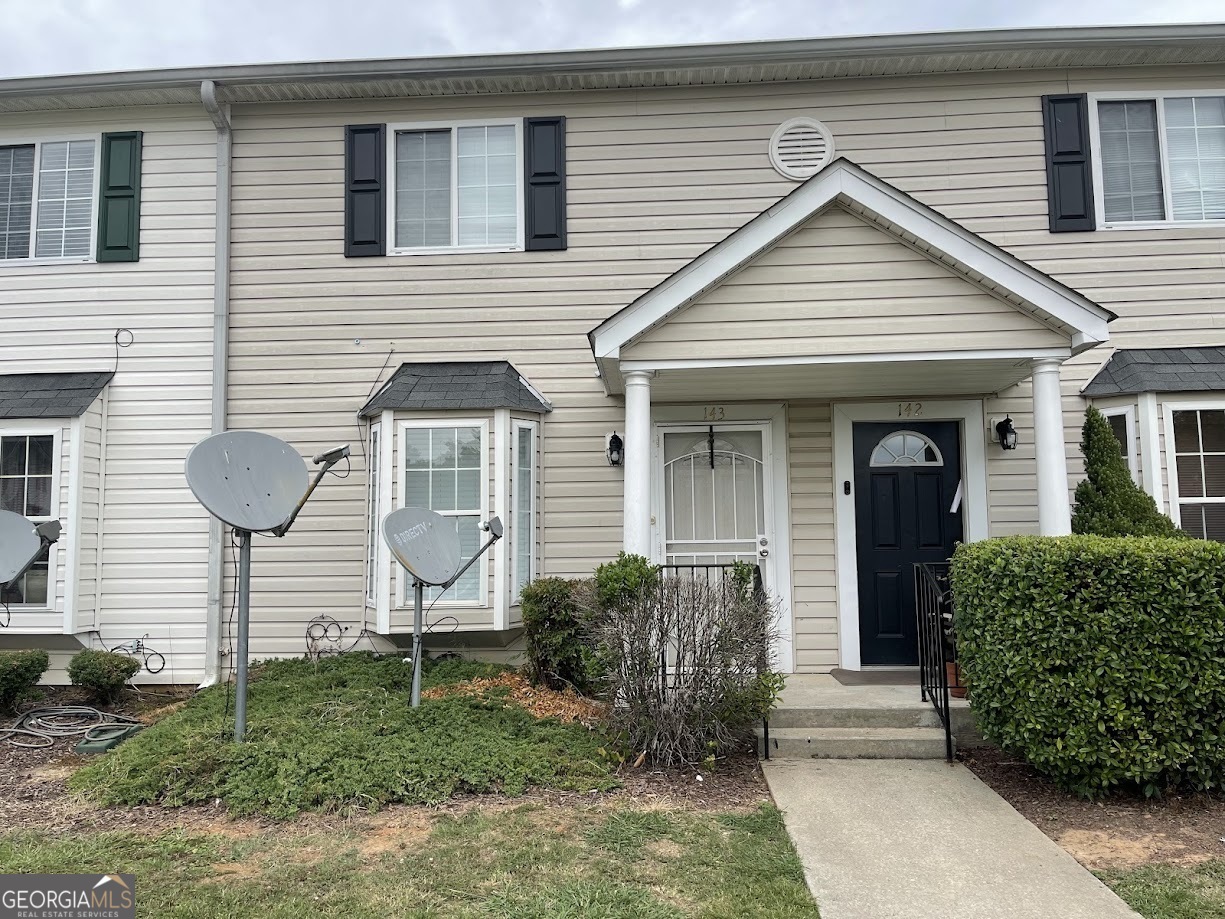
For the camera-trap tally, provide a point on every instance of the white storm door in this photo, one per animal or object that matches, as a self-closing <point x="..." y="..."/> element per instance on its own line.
<point x="715" y="495"/>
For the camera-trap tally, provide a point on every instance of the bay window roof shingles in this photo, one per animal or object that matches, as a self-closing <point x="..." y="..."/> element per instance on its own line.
<point x="451" y="385"/>
<point x="50" y="395"/>
<point x="1137" y="370"/>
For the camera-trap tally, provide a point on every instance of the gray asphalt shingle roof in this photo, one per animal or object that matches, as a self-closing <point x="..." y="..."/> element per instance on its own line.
<point x="436" y="386"/>
<point x="49" y="395"/>
<point x="1136" y="370"/>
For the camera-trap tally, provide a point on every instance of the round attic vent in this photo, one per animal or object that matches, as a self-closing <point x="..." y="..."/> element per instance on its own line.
<point x="800" y="148"/>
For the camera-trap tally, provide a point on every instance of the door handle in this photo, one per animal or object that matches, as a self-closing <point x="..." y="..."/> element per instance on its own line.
<point x="763" y="552"/>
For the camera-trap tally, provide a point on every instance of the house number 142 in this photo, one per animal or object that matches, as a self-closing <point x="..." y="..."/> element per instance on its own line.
<point x="909" y="409"/>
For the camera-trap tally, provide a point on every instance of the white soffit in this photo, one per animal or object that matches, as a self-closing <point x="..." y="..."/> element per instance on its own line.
<point x="847" y="185"/>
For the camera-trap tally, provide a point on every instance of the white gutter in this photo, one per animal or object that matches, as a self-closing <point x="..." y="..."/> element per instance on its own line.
<point x="220" y="115"/>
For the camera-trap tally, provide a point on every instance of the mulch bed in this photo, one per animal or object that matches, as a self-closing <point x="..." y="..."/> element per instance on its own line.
<point x="1121" y="831"/>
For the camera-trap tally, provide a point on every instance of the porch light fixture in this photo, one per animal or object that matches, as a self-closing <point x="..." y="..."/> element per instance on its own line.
<point x="616" y="450"/>
<point x="1006" y="434"/>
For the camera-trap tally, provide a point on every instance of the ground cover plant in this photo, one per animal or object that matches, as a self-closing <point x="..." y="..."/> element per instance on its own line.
<point x="1098" y="659"/>
<point x="564" y="862"/>
<point x="339" y="734"/>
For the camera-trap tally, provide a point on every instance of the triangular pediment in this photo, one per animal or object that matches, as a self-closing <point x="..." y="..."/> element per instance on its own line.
<point x="847" y="261"/>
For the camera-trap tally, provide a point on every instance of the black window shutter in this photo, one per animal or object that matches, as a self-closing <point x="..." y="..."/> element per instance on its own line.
<point x="365" y="193"/>
<point x="544" y="205"/>
<point x="1069" y="175"/>
<point x="119" y="198"/>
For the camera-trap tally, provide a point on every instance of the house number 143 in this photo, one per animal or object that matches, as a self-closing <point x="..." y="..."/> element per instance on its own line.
<point x="909" y="409"/>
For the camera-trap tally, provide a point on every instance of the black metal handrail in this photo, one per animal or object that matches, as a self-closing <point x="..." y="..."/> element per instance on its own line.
<point x="937" y="647"/>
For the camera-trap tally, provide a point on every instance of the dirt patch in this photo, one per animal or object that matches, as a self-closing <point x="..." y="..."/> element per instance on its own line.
<point x="566" y="706"/>
<point x="398" y="832"/>
<point x="1117" y="832"/>
<point x="665" y="848"/>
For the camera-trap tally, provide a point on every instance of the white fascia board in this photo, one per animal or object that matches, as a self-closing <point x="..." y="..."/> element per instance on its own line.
<point x="849" y="184"/>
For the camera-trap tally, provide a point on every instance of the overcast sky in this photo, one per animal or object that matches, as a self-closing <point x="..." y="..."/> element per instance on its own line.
<point x="66" y="36"/>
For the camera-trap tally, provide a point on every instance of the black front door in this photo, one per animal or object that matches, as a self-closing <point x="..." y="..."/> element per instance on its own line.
<point x="906" y="478"/>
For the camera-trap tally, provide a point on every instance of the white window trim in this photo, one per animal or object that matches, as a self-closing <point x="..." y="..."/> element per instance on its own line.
<point x="373" y="455"/>
<point x="402" y="583"/>
<point x="56" y="431"/>
<point x="17" y="140"/>
<point x="393" y="129"/>
<point x="1167" y="410"/>
<point x="1099" y="198"/>
<point x="517" y="425"/>
<point x="1129" y="424"/>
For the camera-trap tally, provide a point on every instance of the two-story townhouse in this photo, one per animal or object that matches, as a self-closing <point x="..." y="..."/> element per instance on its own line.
<point x="827" y="306"/>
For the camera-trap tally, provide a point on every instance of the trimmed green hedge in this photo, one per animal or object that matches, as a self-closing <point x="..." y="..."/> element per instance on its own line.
<point x="20" y="672"/>
<point x="1101" y="660"/>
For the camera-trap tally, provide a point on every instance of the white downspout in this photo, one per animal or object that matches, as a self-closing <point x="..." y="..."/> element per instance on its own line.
<point x="221" y="344"/>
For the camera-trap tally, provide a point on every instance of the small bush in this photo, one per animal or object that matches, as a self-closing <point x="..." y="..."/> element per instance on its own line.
<point x="19" y="673"/>
<point x="102" y="673"/>
<point x="715" y="638"/>
<point x="559" y="651"/>
<point x="624" y="581"/>
<point x="1108" y="501"/>
<point x="1100" y="660"/>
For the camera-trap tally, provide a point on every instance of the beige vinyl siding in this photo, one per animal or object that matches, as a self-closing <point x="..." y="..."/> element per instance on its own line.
<point x="89" y="515"/>
<point x="655" y="177"/>
<point x="814" y="588"/>
<point x="839" y="285"/>
<point x="63" y="317"/>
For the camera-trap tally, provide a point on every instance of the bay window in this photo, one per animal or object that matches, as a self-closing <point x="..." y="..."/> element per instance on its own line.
<point x="1161" y="158"/>
<point x="1197" y="472"/>
<point x="27" y="476"/>
<point x="456" y="186"/>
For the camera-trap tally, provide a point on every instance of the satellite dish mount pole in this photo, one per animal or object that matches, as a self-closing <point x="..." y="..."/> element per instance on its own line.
<point x="418" y="602"/>
<point x="244" y="633"/>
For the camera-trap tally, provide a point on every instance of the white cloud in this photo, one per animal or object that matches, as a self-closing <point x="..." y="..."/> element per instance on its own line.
<point x="58" y="36"/>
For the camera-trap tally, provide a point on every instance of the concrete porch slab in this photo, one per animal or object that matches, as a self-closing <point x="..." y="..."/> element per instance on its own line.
<point x="888" y="839"/>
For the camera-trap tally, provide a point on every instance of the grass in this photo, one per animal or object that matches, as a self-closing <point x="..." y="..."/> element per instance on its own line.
<point x="340" y="735"/>
<point x="524" y="863"/>
<point x="1171" y="891"/>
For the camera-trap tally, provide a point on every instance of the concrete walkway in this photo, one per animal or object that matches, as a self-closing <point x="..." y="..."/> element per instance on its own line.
<point x="902" y="839"/>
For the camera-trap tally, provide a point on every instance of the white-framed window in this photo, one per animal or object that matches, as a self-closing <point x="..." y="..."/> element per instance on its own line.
<point x="1195" y="456"/>
<point x="444" y="466"/>
<point x="455" y="186"/>
<point x="523" y="505"/>
<point x="29" y="473"/>
<point x="373" y="522"/>
<point x="1122" y="421"/>
<point x="1158" y="158"/>
<point x="48" y="198"/>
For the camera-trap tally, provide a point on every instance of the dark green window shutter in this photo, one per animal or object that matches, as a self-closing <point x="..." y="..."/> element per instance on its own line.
<point x="544" y="205"/>
<point x="365" y="193"/>
<point x="119" y="198"/>
<point x="1069" y="172"/>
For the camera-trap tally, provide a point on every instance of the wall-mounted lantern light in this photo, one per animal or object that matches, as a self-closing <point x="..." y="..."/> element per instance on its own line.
<point x="1006" y="434"/>
<point x="616" y="450"/>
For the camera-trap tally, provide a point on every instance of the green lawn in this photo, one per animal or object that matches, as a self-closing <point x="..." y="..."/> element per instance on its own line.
<point x="1172" y="892"/>
<point x="530" y="862"/>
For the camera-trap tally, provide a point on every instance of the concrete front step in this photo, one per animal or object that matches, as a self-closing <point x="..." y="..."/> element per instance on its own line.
<point x="855" y="742"/>
<point x="848" y="716"/>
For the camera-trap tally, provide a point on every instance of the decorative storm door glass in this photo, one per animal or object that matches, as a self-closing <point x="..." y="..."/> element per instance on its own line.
<point x="714" y="497"/>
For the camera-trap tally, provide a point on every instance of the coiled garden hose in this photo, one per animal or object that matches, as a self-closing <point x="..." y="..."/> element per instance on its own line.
<point x="42" y="727"/>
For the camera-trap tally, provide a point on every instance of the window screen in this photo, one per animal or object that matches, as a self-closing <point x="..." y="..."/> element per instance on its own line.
<point x="1131" y="161"/>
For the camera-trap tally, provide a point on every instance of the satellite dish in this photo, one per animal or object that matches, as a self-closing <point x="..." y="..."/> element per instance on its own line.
<point x="246" y="479"/>
<point x="425" y="543"/>
<point x="20" y="544"/>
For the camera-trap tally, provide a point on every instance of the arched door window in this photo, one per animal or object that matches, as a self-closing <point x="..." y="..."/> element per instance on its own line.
<point x="906" y="448"/>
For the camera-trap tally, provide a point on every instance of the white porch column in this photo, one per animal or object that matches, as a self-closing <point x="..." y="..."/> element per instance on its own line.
<point x="637" y="516"/>
<point x="1054" y="513"/>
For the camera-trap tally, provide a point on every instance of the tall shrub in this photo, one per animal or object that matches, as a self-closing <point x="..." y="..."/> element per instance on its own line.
<point x="1100" y="660"/>
<point x="688" y="660"/>
<point x="559" y="650"/>
<point x="1108" y="501"/>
